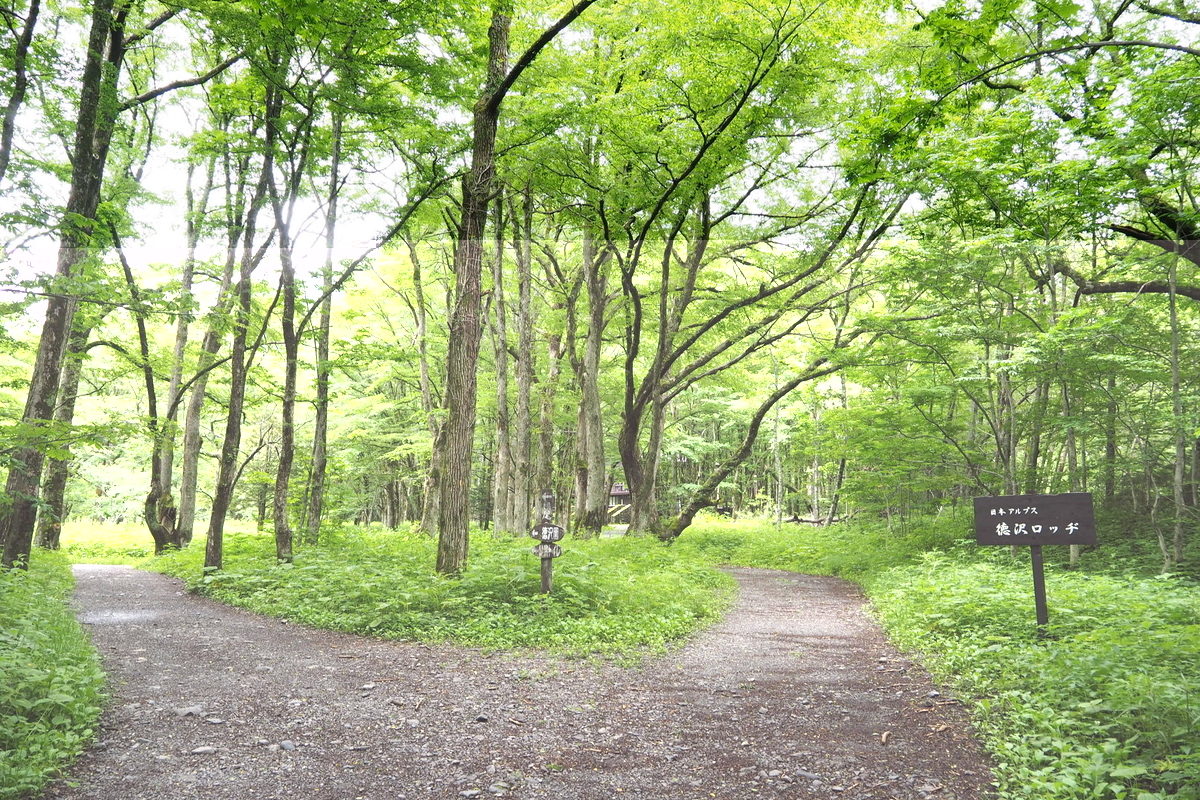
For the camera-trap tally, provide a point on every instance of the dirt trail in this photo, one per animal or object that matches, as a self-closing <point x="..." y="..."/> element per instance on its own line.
<point x="796" y="694"/>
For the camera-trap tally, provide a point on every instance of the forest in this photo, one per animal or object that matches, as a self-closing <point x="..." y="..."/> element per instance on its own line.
<point x="307" y="268"/>
<point x="363" y="263"/>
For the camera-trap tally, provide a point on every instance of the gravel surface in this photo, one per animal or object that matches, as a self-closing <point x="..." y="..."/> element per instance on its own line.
<point x="796" y="694"/>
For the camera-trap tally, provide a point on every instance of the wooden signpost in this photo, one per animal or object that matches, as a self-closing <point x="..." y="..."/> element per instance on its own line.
<point x="1035" y="520"/>
<point x="547" y="533"/>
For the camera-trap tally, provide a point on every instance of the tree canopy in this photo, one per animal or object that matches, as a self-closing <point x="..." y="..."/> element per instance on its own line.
<point x="416" y="263"/>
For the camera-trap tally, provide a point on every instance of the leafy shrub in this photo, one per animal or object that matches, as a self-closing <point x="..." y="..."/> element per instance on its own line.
<point x="50" y="678"/>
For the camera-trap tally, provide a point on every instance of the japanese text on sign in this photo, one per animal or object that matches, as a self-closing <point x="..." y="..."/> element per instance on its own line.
<point x="1014" y="512"/>
<point x="1023" y="529"/>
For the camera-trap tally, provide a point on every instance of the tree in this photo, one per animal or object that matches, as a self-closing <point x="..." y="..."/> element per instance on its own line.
<point x="54" y="482"/>
<point x="111" y="36"/>
<point x="1108" y="92"/>
<point x="1118" y="83"/>
<point x="698" y="224"/>
<point x="457" y="441"/>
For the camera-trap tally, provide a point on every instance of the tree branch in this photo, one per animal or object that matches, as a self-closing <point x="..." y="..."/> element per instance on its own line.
<point x="151" y="26"/>
<point x="1159" y="11"/>
<point x="182" y="84"/>
<point x="383" y="240"/>
<point x="1087" y="286"/>
<point x="1188" y="248"/>
<point x="1027" y="57"/>
<point x="530" y="55"/>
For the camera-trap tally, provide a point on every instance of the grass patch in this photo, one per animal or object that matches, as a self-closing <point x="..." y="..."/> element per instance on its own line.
<point x="1107" y="706"/>
<point x="611" y="596"/>
<point x="50" y="677"/>
<point x="88" y="542"/>
<point x="850" y="551"/>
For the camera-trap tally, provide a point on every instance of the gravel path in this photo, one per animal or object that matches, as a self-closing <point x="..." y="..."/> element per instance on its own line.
<point x="796" y="694"/>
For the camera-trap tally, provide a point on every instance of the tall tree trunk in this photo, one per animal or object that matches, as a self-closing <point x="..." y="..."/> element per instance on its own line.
<point x="53" y="511"/>
<point x="592" y="472"/>
<point x="235" y="172"/>
<point x="1110" y="443"/>
<point x="777" y="464"/>
<point x="431" y="495"/>
<point x="1194" y="499"/>
<point x="1006" y="423"/>
<point x="320" y="455"/>
<point x="295" y="171"/>
<point x="543" y="477"/>
<point x="190" y="470"/>
<point x="643" y="479"/>
<point x="159" y="516"/>
<point x="227" y="469"/>
<point x="835" y="497"/>
<point x="815" y="481"/>
<point x="291" y="349"/>
<point x="504" y="470"/>
<point x="463" y="356"/>
<point x="93" y="133"/>
<point x="283" y="207"/>
<point x="1072" y="452"/>
<point x="526" y="484"/>
<point x="1033" y="452"/>
<point x="431" y="505"/>
<point x="1180" y="435"/>
<point x="197" y="206"/>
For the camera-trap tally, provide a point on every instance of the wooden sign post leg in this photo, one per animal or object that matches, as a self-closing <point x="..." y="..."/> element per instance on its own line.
<point x="1039" y="589"/>
<point x="547" y="578"/>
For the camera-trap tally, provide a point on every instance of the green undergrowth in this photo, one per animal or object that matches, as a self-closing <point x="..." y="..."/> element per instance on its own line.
<point x="849" y="551"/>
<point x="50" y="677"/>
<point x="610" y="596"/>
<point x="88" y="542"/>
<point x="1107" y="705"/>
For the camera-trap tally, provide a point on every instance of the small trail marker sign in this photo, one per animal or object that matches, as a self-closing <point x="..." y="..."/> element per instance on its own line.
<point x="547" y="550"/>
<point x="547" y="533"/>
<point x="1035" y="520"/>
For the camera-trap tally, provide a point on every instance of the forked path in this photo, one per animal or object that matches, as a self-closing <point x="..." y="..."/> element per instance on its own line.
<point x="797" y="693"/>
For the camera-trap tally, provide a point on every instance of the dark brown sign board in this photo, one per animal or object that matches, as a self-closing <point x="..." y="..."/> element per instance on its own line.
<point x="1035" y="519"/>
